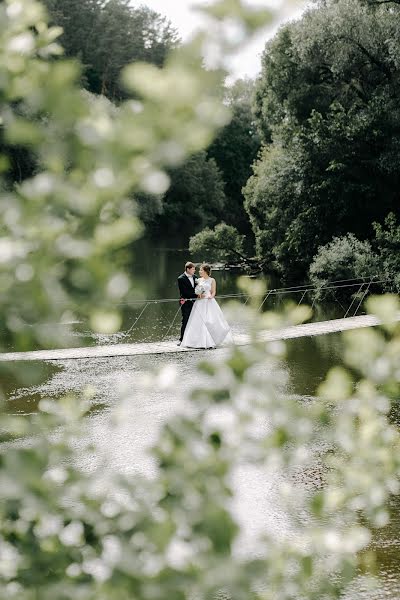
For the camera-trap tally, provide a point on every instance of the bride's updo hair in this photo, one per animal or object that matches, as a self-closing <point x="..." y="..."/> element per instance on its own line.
<point x="206" y="267"/>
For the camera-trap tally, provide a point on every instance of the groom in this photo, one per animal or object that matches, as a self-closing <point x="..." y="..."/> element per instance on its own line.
<point x="187" y="283"/>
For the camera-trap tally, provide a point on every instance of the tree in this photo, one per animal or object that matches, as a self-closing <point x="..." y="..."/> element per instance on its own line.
<point x="344" y="258"/>
<point x="347" y="257"/>
<point x="387" y="242"/>
<point x="279" y="219"/>
<point x="195" y="198"/>
<point x="234" y="150"/>
<point x="326" y="101"/>
<point x="149" y="208"/>
<point x="111" y="35"/>
<point x="223" y="243"/>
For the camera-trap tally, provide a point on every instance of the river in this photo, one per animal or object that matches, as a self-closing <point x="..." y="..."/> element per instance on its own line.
<point x="308" y="360"/>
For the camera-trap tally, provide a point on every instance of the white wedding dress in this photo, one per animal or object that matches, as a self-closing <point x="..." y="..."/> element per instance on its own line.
<point x="206" y="327"/>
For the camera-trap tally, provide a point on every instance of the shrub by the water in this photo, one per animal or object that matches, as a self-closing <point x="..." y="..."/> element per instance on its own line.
<point x="344" y="258"/>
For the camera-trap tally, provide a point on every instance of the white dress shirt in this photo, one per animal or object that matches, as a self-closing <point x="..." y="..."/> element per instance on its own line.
<point x="190" y="277"/>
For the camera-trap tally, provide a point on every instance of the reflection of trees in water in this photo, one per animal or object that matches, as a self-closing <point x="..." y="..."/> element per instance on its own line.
<point x="310" y="358"/>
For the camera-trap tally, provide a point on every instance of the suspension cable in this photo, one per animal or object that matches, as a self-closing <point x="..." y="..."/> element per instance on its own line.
<point x="137" y="318"/>
<point x="170" y="327"/>
<point x="303" y="289"/>
<point x="362" y="299"/>
<point x="353" y="300"/>
<point x="330" y="285"/>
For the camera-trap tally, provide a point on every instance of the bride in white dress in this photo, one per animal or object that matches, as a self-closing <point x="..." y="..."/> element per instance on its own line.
<point x="207" y="327"/>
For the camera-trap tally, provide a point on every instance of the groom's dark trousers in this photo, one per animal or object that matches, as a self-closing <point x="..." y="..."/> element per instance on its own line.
<point x="186" y="291"/>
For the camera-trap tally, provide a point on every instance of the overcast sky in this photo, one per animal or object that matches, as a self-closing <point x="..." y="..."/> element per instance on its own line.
<point x="186" y="20"/>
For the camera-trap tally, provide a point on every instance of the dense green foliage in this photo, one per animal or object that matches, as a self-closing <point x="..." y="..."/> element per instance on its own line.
<point x="344" y="258"/>
<point x="208" y="188"/>
<point x="113" y="34"/>
<point x="326" y="107"/>
<point x="234" y="150"/>
<point x="347" y="257"/>
<point x="388" y="245"/>
<point x="327" y="103"/>
<point x="107" y="36"/>
<point x="223" y="243"/>
<point x="194" y="199"/>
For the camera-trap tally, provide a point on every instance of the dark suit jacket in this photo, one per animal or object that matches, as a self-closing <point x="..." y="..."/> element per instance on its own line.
<point x="186" y="289"/>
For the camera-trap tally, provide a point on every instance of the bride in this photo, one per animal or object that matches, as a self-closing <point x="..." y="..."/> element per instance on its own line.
<point x="207" y="327"/>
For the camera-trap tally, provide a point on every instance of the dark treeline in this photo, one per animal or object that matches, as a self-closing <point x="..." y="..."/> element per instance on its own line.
<point x="208" y="188"/>
<point x="235" y="149"/>
<point x="309" y="166"/>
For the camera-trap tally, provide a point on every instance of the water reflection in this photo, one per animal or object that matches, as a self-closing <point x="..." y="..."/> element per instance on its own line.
<point x="309" y="359"/>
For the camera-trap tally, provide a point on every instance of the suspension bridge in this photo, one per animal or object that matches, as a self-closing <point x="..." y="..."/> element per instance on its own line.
<point x="350" y="320"/>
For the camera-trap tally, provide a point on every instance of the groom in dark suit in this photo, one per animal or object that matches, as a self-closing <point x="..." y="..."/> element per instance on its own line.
<point x="187" y="283"/>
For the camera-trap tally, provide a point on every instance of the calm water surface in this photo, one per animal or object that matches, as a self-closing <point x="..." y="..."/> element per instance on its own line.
<point x="308" y="360"/>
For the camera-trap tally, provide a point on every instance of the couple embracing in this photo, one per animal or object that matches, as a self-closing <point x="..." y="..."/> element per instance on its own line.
<point x="203" y="324"/>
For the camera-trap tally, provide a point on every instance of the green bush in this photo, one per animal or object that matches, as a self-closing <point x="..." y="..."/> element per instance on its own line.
<point x="344" y="258"/>
<point x="388" y="245"/>
<point x="223" y="243"/>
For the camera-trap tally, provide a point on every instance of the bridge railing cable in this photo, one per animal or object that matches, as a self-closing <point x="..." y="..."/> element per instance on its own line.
<point x="329" y="285"/>
<point x="361" y="286"/>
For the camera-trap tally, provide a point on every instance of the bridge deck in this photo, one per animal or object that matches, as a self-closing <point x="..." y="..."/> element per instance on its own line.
<point x="170" y="347"/>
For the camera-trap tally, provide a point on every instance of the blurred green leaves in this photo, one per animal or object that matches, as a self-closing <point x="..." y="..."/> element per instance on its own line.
<point x="67" y="531"/>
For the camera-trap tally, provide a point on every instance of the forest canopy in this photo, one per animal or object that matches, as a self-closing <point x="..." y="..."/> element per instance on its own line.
<point x="327" y="106"/>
